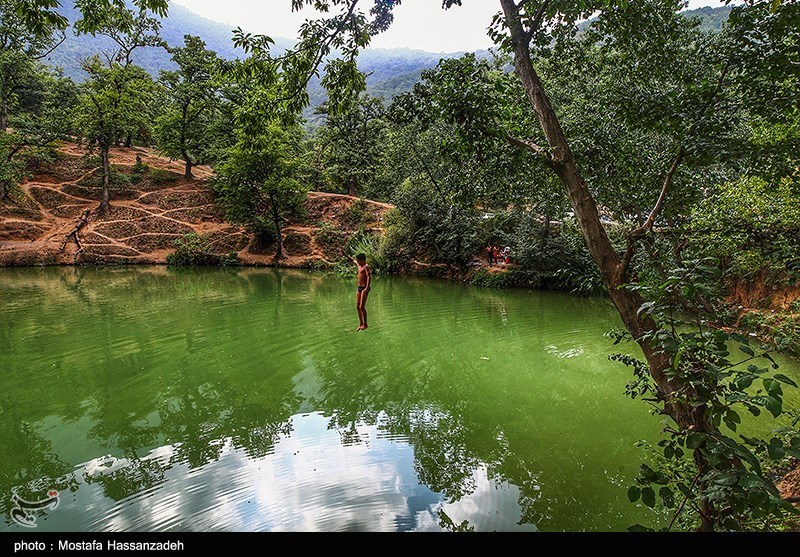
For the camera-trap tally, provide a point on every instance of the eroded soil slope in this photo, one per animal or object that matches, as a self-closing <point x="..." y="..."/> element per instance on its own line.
<point x="152" y="205"/>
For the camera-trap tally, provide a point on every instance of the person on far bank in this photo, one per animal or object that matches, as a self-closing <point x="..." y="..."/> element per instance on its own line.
<point x="490" y="255"/>
<point x="363" y="286"/>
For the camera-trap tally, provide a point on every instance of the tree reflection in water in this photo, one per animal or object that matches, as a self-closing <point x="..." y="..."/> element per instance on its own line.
<point x="180" y="373"/>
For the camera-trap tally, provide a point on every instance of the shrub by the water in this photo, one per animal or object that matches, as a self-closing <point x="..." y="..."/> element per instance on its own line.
<point x="425" y="228"/>
<point x="558" y="262"/>
<point x="505" y="279"/>
<point x="192" y="250"/>
<point x="369" y="244"/>
<point x="753" y="227"/>
<point x="780" y="327"/>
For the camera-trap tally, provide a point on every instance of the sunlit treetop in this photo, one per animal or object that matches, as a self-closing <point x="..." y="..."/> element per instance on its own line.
<point x="40" y="15"/>
<point x="16" y="36"/>
<point x="327" y="48"/>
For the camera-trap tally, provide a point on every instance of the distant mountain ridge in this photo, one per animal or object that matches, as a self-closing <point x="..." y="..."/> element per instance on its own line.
<point x="389" y="71"/>
<point x="68" y="56"/>
<point x="711" y="18"/>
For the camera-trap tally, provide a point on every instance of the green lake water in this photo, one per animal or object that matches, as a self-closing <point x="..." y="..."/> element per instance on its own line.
<point x="243" y="400"/>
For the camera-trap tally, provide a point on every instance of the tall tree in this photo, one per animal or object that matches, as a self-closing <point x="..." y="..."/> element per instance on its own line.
<point x="258" y="184"/>
<point x="185" y="129"/>
<point x="117" y="97"/>
<point x="351" y="145"/>
<point x="457" y="126"/>
<point x="20" y="47"/>
<point x="45" y="116"/>
<point x="129" y="29"/>
<point x="111" y="105"/>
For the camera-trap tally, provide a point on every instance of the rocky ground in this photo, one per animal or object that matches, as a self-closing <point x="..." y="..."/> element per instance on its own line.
<point x="154" y="207"/>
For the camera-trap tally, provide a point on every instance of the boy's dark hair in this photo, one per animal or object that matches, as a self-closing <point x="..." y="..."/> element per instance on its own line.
<point x="361" y="257"/>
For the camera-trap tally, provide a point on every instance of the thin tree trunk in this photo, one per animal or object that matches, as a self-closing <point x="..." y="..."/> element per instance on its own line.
<point x="545" y="231"/>
<point x="351" y="189"/>
<point x="277" y="220"/>
<point x="627" y="302"/>
<point x="105" y="201"/>
<point x="3" y="186"/>
<point x="188" y="172"/>
<point x="4" y="114"/>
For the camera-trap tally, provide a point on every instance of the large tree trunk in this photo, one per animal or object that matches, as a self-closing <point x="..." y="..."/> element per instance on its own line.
<point x="602" y="251"/>
<point x="105" y="201"/>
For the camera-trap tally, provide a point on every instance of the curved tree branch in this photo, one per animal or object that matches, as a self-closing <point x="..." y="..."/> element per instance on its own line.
<point x="647" y="226"/>
<point x="529" y="145"/>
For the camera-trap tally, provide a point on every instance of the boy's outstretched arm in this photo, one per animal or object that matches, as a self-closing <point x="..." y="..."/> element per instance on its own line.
<point x="349" y="258"/>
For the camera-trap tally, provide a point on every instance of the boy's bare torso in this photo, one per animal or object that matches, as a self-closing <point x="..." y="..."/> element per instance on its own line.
<point x="363" y="270"/>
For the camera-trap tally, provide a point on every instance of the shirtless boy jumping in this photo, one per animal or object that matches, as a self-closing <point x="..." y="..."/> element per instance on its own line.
<point x="364" y="282"/>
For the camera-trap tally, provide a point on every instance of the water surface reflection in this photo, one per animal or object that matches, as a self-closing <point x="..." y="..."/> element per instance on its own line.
<point x="242" y="400"/>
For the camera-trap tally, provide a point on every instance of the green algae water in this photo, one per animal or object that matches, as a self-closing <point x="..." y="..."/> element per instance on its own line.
<point x="241" y="400"/>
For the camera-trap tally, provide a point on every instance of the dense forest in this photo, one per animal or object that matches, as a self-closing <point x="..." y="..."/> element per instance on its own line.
<point x="648" y="155"/>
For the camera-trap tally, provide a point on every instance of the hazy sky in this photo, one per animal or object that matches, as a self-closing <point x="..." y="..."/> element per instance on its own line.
<point x="420" y="24"/>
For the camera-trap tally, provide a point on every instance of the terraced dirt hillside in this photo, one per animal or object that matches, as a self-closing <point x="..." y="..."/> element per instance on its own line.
<point x="152" y="205"/>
